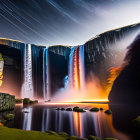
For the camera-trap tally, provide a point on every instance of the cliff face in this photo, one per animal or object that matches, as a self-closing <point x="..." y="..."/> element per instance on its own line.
<point x="58" y="58"/>
<point x="37" y="70"/>
<point x="107" y="50"/>
<point x="126" y="87"/>
<point x="12" y="78"/>
<point x="101" y="53"/>
<point x="14" y="54"/>
<point x="60" y="50"/>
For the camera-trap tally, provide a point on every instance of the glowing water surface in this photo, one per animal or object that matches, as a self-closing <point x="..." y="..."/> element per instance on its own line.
<point x="44" y="117"/>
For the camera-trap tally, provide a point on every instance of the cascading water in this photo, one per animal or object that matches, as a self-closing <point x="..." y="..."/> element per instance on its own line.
<point x="46" y="93"/>
<point x="76" y="68"/>
<point x="82" y="67"/>
<point x="27" y="87"/>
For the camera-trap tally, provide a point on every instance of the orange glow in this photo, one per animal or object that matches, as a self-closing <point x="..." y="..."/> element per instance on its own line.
<point x="93" y="92"/>
<point x="94" y="104"/>
<point x="78" y="123"/>
<point x="76" y="76"/>
<point x="1" y="124"/>
<point x="114" y="73"/>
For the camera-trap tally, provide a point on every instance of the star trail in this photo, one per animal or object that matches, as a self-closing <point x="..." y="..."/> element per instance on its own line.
<point x="66" y="22"/>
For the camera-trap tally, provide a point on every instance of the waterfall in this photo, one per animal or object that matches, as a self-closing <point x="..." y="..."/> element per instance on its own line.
<point x="46" y="92"/>
<point x="82" y="67"/>
<point x="27" y="87"/>
<point x="76" y="68"/>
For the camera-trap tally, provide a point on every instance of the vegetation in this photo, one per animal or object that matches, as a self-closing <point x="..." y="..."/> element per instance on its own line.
<point x="16" y="134"/>
<point x="9" y="117"/>
<point x="136" y="122"/>
<point x="108" y="112"/>
<point x="75" y="138"/>
<point x="93" y="138"/>
<point x="63" y="134"/>
<point x="62" y="109"/>
<point x="95" y="109"/>
<point x="18" y="101"/>
<point x="1" y="58"/>
<point x="101" y="109"/>
<point x="27" y="101"/>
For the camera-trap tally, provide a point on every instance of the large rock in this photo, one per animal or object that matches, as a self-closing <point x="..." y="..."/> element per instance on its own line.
<point x="126" y="88"/>
<point x="7" y="102"/>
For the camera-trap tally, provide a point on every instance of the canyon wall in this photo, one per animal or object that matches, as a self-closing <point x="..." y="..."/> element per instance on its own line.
<point x="102" y="52"/>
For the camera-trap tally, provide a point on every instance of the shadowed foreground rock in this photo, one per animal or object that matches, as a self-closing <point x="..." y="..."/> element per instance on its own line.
<point x="126" y="87"/>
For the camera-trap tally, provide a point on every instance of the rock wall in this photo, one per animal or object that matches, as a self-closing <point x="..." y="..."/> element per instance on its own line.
<point x="108" y="50"/>
<point x="126" y="87"/>
<point x="12" y="72"/>
<point x="7" y="102"/>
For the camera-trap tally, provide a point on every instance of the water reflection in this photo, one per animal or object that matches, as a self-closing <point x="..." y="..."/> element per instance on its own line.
<point x="44" y="118"/>
<point x="27" y="122"/>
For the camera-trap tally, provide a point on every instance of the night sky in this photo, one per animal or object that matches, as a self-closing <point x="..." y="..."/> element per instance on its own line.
<point x="65" y="22"/>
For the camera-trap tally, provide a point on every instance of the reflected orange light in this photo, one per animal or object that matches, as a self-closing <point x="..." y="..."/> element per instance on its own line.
<point x="77" y="124"/>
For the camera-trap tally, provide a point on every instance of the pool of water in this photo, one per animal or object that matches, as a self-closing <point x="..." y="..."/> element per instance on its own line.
<point x="43" y="117"/>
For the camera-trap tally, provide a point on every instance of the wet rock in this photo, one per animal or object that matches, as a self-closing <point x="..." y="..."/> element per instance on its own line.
<point x="78" y="109"/>
<point x="101" y="109"/>
<point x="75" y="108"/>
<point x="95" y="109"/>
<point x="26" y="101"/>
<point x="62" y="109"/>
<point x="108" y="112"/>
<point x="69" y="109"/>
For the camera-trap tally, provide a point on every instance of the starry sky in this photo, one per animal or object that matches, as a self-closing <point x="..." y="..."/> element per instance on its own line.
<point x="64" y="22"/>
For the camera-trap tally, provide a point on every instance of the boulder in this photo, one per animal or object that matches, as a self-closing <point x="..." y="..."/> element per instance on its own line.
<point x="78" y="109"/>
<point x="108" y="112"/>
<point x="69" y="109"/>
<point x="95" y="109"/>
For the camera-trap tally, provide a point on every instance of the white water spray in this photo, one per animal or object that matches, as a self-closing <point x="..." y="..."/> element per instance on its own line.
<point x="27" y="87"/>
<point x="46" y="92"/>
